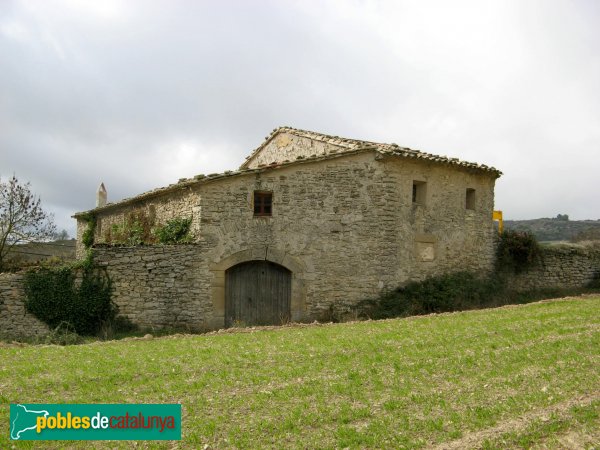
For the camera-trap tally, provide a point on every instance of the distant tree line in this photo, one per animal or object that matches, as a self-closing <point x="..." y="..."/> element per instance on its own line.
<point x="559" y="228"/>
<point x="22" y="218"/>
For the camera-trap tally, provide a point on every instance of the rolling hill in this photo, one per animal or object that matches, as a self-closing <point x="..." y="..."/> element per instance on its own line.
<point x="557" y="229"/>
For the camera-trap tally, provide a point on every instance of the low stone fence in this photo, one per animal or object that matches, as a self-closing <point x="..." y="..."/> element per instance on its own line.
<point x="560" y="266"/>
<point x="15" y="322"/>
<point x="161" y="286"/>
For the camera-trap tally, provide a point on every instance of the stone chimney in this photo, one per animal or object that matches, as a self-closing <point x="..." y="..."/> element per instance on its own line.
<point x="101" y="196"/>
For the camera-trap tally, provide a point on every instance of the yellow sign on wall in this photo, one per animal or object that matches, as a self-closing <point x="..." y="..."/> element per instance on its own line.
<point x="497" y="215"/>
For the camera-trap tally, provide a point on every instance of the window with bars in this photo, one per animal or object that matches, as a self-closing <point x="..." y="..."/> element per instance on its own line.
<point x="263" y="203"/>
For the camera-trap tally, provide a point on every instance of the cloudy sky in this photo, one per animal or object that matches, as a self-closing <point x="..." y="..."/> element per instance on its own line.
<point x="140" y="93"/>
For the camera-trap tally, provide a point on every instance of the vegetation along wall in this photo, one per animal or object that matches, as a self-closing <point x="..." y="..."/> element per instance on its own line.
<point x="161" y="286"/>
<point x="560" y="266"/>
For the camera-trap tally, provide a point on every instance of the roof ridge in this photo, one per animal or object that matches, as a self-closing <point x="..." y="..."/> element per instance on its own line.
<point x="349" y="143"/>
<point x="385" y="149"/>
<point x="389" y="148"/>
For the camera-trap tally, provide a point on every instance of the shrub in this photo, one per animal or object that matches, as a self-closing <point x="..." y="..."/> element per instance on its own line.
<point x="589" y="234"/>
<point x="517" y="250"/>
<point x="54" y="297"/>
<point x="63" y="334"/>
<point x="118" y="326"/>
<point x="457" y="292"/>
<point x="122" y="324"/>
<point x="87" y="239"/>
<point x="450" y="292"/>
<point x="136" y="229"/>
<point x="595" y="281"/>
<point x="175" y="231"/>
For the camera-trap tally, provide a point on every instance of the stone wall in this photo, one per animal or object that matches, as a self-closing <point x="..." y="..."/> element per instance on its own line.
<point x="14" y="320"/>
<point x="287" y="146"/>
<point x="353" y="225"/>
<point x="180" y="203"/>
<point x="159" y="286"/>
<point x="173" y="286"/>
<point x="561" y="266"/>
<point x="439" y="234"/>
<point x="345" y="226"/>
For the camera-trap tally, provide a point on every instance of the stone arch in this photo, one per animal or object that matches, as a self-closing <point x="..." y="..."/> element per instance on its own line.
<point x="258" y="293"/>
<point x="260" y="253"/>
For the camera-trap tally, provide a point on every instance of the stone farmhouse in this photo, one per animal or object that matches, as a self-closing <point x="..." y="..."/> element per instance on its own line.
<point x="309" y="224"/>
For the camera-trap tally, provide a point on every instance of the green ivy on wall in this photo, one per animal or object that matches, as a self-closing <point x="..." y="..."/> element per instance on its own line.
<point x="87" y="239"/>
<point x="78" y="297"/>
<point x="76" y="294"/>
<point x="175" y="231"/>
<point x="79" y="294"/>
<point x="138" y="229"/>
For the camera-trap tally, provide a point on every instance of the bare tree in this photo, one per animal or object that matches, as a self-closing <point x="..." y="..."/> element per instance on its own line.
<point x="62" y="235"/>
<point x="22" y="218"/>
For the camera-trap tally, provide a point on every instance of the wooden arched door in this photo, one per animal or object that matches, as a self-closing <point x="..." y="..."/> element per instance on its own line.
<point x="257" y="293"/>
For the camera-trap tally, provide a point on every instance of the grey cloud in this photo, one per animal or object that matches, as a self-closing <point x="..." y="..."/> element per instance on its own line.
<point x="137" y="94"/>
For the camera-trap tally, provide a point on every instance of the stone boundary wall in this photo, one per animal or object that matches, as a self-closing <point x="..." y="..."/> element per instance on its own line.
<point x="160" y="286"/>
<point x="561" y="266"/>
<point x="14" y="320"/>
<point x="170" y="286"/>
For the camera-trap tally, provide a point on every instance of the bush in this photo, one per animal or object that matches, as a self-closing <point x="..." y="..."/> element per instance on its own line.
<point x="458" y="292"/>
<point x="589" y="234"/>
<point x="87" y="239"/>
<point x="54" y="298"/>
<point x="119" y="326"/>
<point x="595" y="281"/>
<point x="175" y="231"/>
<point x="135" y="230"/>
<point x="450" y="292"/>
<point x="63" y="334"/>
<point x="517" y="250"/>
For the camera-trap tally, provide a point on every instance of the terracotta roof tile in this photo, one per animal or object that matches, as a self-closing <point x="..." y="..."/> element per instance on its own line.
<point x="355" y="144"/>
<point x="349" y="147"/>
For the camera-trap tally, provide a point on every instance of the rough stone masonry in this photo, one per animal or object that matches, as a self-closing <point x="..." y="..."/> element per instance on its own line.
<point x="346" y="219"/>
<point x="15" y="321"/>
<point x="144" y="272"/>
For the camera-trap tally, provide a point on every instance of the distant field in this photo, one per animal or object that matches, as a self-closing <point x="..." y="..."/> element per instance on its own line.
<point x="41" y="251"/>
<point x="501" y="378"/>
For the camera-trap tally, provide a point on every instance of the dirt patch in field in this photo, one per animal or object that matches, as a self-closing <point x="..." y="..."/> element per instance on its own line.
<point x="475" y="439"/>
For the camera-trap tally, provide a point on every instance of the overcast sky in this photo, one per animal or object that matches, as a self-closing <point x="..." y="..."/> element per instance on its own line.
<point x="140" y="93"/>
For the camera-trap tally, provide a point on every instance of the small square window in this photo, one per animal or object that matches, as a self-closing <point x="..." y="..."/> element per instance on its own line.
<point x="419" y="192"/>
<point x="470" y="198"/>
<point x="263" y="203"/>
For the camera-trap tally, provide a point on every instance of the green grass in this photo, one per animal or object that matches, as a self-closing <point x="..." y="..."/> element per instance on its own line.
<point x="556" y="431"/>
<point x="402" y="383"/>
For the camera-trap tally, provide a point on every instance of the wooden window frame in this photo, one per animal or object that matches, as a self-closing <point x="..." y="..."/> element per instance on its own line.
<point x="263" y="203"/>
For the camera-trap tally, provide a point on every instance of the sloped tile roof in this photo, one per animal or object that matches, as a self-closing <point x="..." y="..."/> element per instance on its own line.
<point x="347" y="147"/>
<point x="356" y="144"/>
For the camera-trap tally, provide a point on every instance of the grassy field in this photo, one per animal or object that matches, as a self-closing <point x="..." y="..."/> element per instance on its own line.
<point x="500" y="378"/>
